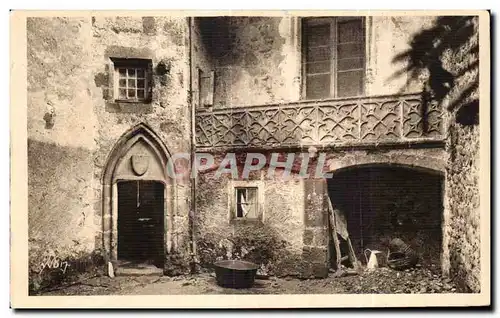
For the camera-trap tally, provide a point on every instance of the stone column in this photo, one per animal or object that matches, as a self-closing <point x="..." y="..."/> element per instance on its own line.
<point x="315" y="249"/>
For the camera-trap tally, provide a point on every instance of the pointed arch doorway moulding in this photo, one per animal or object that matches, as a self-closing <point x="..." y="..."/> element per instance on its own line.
<point x="138" y="155"/>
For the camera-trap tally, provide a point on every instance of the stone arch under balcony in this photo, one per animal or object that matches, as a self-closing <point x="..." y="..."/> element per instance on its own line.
<point x="389" y="194"/>
<point x="427" y="160"/>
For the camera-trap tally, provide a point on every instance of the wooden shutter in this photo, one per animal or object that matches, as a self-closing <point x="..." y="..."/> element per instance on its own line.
<point x="206" y="82"/>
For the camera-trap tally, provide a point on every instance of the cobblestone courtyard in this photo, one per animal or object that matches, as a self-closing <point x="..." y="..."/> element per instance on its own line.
<point x="380" y="281"/>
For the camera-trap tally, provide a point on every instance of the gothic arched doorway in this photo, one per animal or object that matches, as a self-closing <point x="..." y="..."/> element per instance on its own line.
<point x="138" y="200"/>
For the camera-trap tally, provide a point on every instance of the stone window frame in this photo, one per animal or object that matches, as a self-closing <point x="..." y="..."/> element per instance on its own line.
<point x="132" y="63"/>
<point x="332" y="21"/>
<point x="137" y="68"/>
<point x="233" y="186"/>
<point x="113" y="102"/>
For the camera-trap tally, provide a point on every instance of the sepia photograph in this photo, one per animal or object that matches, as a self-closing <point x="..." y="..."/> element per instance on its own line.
<point x="329" y="159"/>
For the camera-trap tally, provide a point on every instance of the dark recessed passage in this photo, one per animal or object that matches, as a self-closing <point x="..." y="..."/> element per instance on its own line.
<point x="384" y="202"/>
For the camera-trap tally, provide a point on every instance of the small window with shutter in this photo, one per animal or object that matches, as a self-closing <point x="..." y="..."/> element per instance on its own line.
<point x="206" y="88"/>
<point x="333" y="57"/>
<point x="246" y="203"/>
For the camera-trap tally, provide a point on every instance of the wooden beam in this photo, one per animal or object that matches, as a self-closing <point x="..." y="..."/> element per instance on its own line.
<point x="333" y="233"/>
<point x="338" y="226"/>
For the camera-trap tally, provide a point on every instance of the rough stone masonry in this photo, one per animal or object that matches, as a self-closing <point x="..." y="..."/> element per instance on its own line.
<point x="112" y="99"/>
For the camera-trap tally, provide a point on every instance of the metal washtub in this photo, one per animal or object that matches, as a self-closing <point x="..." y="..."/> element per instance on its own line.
<point x="235" y="273"/>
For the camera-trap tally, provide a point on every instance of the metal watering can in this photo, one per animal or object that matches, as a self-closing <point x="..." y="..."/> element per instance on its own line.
<point x="372" y="262"/>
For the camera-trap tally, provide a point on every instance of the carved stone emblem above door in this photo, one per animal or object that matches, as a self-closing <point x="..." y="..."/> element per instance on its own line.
<point x="140" y="164"/>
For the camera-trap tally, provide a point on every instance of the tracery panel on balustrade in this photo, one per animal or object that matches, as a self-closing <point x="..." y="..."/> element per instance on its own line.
<point x="338" y="122"/>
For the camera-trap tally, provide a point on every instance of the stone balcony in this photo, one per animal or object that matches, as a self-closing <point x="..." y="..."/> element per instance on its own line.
<point x="392" y="120"/>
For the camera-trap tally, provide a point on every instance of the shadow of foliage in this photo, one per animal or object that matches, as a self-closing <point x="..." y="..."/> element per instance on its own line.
<point x="447" y="51"/>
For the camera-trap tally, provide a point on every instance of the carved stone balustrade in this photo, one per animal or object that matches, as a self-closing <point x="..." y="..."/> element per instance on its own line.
<point x="349" y="122"/>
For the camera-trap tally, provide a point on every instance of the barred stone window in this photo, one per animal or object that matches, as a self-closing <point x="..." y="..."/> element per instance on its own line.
<point x="333" y="57"/>
<point x="132" y="80"/>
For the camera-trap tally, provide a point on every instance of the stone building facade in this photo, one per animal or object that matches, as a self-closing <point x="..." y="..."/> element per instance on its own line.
<point x="112" y="99"/>
<point x="81" y="137"/>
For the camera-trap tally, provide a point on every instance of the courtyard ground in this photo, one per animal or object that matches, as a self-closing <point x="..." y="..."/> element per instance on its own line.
<point x="379" y="281"/>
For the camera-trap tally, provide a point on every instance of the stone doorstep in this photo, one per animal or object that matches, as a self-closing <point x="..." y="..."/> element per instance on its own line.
<point x="137" y="270"/>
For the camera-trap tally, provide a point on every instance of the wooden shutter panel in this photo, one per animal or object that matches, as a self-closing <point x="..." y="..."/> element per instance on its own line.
<point x="207" y="88"/>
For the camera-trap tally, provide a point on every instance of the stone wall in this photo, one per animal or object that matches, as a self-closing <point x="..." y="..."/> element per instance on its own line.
<point x="60" y="145"/>
<point x="292" y="238"/>
<point x="165" y="41"/>
<point x="202" y="59"/>
<point x="73" y="124"/>
<point x="275" y="241"/>
<point x="463" y="239"/>
<point x="257" y="60"/>
<point x="387" y="37"/>
<point x="462" y="245"/>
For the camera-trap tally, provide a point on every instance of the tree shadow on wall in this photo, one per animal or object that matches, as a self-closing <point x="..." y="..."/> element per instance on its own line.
<point x="452" y="37"/>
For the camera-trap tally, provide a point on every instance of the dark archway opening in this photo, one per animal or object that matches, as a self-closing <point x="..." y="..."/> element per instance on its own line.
<point x="140" y="222"/>
<point x="385" y="202"/>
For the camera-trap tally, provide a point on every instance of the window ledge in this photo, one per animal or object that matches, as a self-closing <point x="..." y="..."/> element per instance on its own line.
<point x="132" y="101"/>
<point x="246" y="221"/>
<point x="119" y="106"/>
<point x="332" y="98"/>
